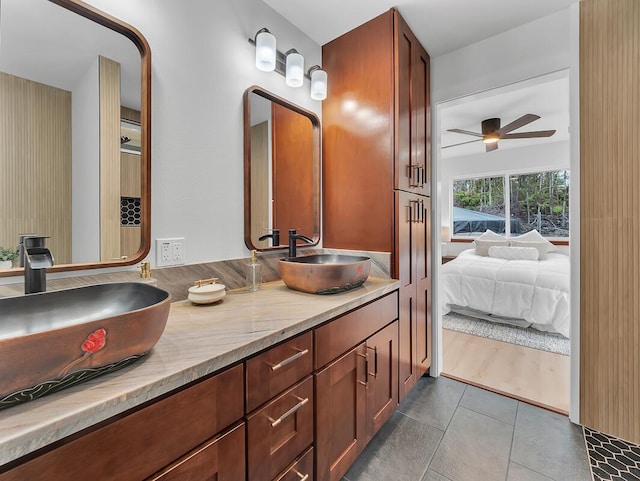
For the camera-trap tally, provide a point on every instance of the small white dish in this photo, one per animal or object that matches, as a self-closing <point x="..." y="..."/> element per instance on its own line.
<point x="206" y="293"/>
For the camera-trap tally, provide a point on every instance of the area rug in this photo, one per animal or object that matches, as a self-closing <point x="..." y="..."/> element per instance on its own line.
<point x="544" y="341"/>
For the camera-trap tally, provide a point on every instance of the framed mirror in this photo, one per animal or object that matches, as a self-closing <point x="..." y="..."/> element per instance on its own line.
<point x="74" y="134"/>
<point x="281" y="170"/>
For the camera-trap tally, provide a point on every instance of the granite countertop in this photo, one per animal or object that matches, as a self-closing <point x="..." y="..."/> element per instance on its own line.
<point x="197" y="341"/>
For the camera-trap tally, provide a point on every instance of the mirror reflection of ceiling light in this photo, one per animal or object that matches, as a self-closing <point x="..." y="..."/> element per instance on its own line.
<point x="289" y="64"/>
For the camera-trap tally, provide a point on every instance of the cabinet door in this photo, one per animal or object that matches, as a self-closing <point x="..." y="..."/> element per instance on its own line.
<point x="407" y="222"/>
<point x="421" y="110"/>
<point x="382" y="377"/>
<point x="357" y="138"/>
<point x="340" y="414"/>
<point x="423" y="285"/>
<point x="412" y="133"/>
<point x="221" y="459"/>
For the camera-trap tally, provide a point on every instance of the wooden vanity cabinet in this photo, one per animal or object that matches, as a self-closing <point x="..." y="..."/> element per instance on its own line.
<point x="274" y="370"/>
<point x="222" y="459"/>
<point x="377" y="162"/>
<point x="357" y="392"/>
<point x="280" y="405"/>
<point x="279" y="432"/>
<point x="340" y="414"/>
<point x="134" y="446"/>
<point x="413" y="232"/>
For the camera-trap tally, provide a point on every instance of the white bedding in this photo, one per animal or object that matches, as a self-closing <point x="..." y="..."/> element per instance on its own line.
<point x="536" y="291"/>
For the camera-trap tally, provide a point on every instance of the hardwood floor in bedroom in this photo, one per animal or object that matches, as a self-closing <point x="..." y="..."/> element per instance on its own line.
<point x="530" y="375"/>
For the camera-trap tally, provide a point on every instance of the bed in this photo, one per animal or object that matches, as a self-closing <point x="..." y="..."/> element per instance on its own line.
<point x="528" y="293"/>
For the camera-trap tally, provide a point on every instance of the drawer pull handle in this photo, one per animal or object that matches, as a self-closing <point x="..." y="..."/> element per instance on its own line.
<point x="297" y="355"/>
<point x="302" y="402"/>
<point x="303" y="477"/>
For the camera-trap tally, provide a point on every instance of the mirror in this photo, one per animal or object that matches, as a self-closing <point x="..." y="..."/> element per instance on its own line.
<point x="281" y="170"/>
<point x="74" y="134"/>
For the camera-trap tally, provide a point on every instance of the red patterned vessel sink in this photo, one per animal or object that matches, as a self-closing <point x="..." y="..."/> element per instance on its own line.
<point x="53" y="340"/>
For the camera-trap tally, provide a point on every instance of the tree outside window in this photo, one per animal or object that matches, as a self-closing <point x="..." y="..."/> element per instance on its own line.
<point x="531" y="201"/>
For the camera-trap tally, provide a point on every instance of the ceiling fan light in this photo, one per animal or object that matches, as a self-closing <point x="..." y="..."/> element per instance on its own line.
<point x="490" y="139"/>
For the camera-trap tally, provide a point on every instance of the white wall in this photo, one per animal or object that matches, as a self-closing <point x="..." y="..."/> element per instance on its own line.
<point x="201" y="65"/>
<point x="533" y="49"/>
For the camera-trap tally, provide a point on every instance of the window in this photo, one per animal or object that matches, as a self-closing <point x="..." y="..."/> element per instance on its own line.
<point x="530" y="201"/>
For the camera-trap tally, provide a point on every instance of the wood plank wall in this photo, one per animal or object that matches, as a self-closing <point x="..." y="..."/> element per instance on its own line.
<point x="109" y="159"/>
<point x="35" y="164"/>
<point x="610" y="216"/>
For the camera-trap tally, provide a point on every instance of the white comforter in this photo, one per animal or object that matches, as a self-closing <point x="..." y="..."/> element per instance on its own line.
<point x="536" y="291"/>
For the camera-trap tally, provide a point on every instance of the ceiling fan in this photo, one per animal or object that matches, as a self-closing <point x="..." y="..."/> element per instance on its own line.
<point x="491" y="132"/>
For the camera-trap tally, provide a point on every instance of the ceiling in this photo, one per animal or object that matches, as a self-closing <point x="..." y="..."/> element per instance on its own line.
<point x="547" y="97"/>
<point x="441" y="25"/>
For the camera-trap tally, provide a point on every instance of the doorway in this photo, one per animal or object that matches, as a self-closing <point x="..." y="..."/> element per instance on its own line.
<point x="471" y="177"/>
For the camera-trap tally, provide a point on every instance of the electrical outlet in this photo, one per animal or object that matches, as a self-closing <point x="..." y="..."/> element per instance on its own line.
<point x="178" y="251"/>
<point x="170" y="252"/>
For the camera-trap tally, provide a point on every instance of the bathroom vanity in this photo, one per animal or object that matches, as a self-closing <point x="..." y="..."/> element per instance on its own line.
<point x="268" y="385"/>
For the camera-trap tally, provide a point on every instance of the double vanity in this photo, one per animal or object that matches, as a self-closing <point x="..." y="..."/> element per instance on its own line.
<point x="260" y="386"/>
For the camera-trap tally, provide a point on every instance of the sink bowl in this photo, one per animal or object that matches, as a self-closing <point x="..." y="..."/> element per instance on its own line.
<point x="324" y="273"/>
<point x="52" y="340"/>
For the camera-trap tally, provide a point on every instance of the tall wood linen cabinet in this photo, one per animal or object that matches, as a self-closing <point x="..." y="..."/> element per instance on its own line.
<point x="376" y="167"/>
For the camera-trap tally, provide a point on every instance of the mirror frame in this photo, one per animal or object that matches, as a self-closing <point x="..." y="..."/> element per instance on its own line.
<point x="315" y="122"/>
<point x="88" y="11"/>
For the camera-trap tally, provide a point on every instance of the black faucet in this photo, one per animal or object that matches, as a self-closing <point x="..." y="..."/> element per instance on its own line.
<point x="37" y="258"/>
<point x="293" y="237"/>
<point x="274" y="236"/>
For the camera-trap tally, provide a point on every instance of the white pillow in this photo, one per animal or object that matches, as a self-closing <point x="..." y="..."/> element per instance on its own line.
<point x="541" y="247"/>
<point x="483" y="246"/>
<point x="514" y="253"/>
<point x="535" y="236"/>
<point x="490" y="235"/>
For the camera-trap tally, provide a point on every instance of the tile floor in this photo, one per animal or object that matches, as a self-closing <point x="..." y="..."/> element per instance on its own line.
<point x="446" y="430"/>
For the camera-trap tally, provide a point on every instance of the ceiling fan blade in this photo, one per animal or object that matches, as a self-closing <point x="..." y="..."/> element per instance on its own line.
<point x="516" y="124"/>
<point x="491" y="147"/>
<point x="466" y="132"/>
<point x="529" y="135"/>
<point x="461" y="143"/>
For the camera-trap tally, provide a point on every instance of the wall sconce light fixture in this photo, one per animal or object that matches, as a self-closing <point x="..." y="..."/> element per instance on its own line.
<point x="265" y="44"/>
<point x="295" y="68"/>
<point x="318" y="82"/>
<point x="289" y="64"/>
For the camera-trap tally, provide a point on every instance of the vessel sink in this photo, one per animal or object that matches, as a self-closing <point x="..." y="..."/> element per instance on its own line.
<point x="324" y="273"/>
<point x="53" y="340"/>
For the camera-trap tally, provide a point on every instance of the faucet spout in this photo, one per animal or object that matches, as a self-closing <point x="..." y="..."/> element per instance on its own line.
<point x="37" y="258"/>
<point x="293" y="237"/>
<point x="274" y="236"/>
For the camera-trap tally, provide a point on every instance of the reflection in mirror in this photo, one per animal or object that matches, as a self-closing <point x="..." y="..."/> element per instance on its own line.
<point x="282" y="170"/>
<point x="74" y="139"/>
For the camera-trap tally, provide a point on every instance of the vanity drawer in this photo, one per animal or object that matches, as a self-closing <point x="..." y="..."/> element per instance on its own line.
<point x="301" y="470"/>
<point x="221" y="458"/>
<point x="279" y="432"/>
<point x="348" y="330"/>
<point x="137" y="445"/>
<point x="273" y="371"/>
